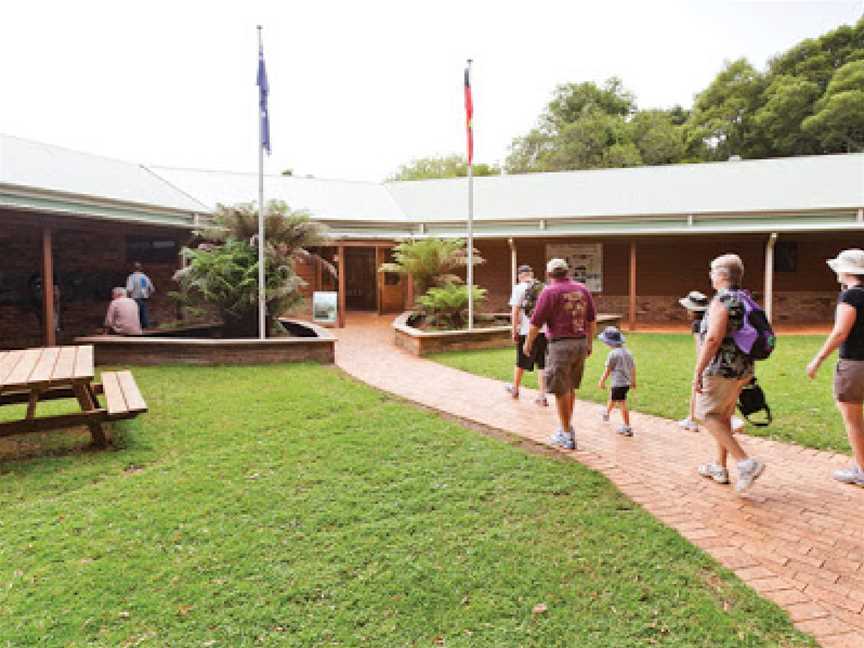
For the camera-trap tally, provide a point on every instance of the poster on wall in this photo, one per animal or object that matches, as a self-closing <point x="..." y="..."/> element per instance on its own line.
<point x="325" y="306"/>
<point x="585" y="261"/>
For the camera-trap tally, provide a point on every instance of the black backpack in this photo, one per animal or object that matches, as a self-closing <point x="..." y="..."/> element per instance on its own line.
<point x="752" y="400"/>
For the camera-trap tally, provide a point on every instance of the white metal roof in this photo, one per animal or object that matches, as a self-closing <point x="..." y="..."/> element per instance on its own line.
<point x="753" y="188"/>
<point x="809" y="183"/>
<point x="328" y="200"/>
<point x="32" y="165"/>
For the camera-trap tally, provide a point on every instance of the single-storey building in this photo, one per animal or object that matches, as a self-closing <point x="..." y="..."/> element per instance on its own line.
<point x="81" y="220"/>
<point x="640" y="237"/>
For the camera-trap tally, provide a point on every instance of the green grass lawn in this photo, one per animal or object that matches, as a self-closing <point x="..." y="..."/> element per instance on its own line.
<point x="803" y="411"/>
<point x="292" y="506"/>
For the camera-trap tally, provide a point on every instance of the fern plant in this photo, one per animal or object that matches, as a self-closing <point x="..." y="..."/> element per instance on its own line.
<point x="430" y="262"/>
<point x="447" y="305"/>
<point x="223" y="270"/>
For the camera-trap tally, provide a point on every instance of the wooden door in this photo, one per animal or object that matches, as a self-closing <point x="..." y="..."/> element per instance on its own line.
<point x="360" y="279"/>
<point x="391" y="286"/>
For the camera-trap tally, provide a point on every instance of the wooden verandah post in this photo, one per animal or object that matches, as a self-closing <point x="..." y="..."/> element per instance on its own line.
<point x="631" y="297"/>
<point x="342" y="301"/>
<point x="49" y="334"/>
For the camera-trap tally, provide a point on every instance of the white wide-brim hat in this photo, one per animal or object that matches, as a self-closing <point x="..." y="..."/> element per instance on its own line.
<point x="848" y="262"/>
<point x="695" y="301"/>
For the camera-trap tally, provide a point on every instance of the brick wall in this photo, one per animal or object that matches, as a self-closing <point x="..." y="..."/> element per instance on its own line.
<point x="87" y="262"/>
<point x="670" y="267"/>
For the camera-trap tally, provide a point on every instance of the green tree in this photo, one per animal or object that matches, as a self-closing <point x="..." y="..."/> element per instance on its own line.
<point x="584" y="126"/>
<point x="839" y="119"/>
<point x="789" y="101"/>
<point x="449" y="166"/>
<point x="723" y="113"/>
<point x="659" y="136"/>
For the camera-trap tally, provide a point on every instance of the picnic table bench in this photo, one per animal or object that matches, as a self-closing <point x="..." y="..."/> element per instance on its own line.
<point x="34" y="375"/>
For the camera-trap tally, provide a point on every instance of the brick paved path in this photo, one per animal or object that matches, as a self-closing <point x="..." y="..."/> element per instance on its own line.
<point x="796" y="537"/>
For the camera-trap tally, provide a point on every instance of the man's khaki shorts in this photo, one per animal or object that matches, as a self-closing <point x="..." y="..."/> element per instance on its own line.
<point x="718" y="397"/>
<point x="565" y="364"/>
<point x="849" y="381"/>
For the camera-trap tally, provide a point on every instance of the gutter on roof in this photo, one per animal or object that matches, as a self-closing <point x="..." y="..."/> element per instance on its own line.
<point x="81" y="210"/>
<point x="86" y="199"/>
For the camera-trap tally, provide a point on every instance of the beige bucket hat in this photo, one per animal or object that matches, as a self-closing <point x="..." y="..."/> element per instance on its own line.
<point x="848" y="262"/>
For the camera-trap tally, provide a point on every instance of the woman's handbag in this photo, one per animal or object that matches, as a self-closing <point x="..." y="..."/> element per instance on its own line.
<point x="752" y="400"/>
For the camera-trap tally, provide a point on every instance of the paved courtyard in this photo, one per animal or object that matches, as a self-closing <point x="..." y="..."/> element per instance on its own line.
<point x="796" y="537"/>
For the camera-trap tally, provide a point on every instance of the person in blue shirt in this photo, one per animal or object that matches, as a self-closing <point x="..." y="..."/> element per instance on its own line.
<point x="140" y="288"/>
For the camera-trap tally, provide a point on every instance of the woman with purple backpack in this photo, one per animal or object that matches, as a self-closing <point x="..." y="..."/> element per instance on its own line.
<point x="723" y="369"/>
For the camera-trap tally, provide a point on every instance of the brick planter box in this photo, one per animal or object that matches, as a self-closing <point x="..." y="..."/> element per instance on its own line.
<point x="422" y="343"/>
<point x="123" y="350"/>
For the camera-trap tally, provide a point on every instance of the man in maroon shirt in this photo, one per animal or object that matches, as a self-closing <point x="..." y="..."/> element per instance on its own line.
<point x="566" y="308"/>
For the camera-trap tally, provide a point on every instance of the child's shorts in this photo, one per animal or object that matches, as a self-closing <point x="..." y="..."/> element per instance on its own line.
<point x="619" y="394"/>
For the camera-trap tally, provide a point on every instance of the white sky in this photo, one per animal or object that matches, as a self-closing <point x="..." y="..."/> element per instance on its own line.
<point x="357" y="87"/>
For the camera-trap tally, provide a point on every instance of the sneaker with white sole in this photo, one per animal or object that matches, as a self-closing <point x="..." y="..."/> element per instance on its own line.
<point x="510" y="389"/>
<point x="749" y="471"/>
<point x="852" y="475"/>
<point x="625" y="430"/>
<point x="562" y="440"/>
<point x="714" y="471"/>
<point x="604" y="415"/>
<point x="688" y="424"/>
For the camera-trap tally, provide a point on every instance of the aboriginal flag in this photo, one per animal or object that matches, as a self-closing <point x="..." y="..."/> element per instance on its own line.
<point x="469" y="115"/>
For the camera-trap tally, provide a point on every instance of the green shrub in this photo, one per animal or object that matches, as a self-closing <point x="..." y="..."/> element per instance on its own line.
<point x="448" y="304"/>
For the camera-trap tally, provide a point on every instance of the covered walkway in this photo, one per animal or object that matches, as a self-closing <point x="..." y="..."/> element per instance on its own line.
<point x="796" y="537"/>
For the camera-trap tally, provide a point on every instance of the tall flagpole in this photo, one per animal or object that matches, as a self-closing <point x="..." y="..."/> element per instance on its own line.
<point x="262" y="294"/>
<point x="470" y="158"/>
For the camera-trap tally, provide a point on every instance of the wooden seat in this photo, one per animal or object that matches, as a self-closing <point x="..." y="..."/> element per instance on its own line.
<point x="122" y="396"/>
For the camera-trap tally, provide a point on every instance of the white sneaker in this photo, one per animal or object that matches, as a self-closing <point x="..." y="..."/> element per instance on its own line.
<point x="688" y="424"/>
<point x="748" y="472"/>
<point x="714" y="471"/>
<point x="625" y="430"/>
<point x="604" y="415"/>
<point x="853" y="475"/>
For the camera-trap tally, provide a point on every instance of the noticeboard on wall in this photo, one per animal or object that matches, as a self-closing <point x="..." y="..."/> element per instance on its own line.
<point x="325" y="307"/>
<point x="585" y="261"/>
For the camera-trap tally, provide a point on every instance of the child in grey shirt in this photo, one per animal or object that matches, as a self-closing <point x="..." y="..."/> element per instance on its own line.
<point x="621" y="366"/>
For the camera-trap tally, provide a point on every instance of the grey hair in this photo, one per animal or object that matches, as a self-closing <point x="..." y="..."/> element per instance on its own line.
<point x="119" y="291"/>
<point x="730" y="266"/>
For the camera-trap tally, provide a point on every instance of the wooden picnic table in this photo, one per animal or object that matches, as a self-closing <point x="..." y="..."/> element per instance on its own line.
<point x="34" y="375"/>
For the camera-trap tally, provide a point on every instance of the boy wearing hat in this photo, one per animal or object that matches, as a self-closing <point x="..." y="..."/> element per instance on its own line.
<point x="523" y="301"/>
<point x="696" y="304"/>
<point x="621" y="366"/>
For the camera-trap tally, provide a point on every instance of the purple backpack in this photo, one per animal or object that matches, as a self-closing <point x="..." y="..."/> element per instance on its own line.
<point x="755" y="337"/>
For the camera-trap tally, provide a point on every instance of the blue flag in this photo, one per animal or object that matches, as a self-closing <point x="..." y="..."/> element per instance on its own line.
<point x="263" y="91"/>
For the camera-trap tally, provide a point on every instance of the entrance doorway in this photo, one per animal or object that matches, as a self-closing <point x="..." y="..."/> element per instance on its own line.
<point x="361" y="279"/>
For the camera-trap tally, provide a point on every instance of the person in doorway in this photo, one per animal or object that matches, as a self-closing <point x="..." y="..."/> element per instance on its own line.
<point x="523" y="302"/>
<point x="621" y="366"/>
<point x="122" y="317"/>
<point x="566" y="309"/>
<point x="140" y="288"/>
<point x="848" y="336"/>
<point x="722" y="370"/>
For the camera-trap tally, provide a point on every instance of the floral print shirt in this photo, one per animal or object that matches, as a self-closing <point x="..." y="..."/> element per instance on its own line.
<point x="729" y="361"/>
